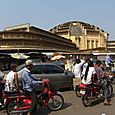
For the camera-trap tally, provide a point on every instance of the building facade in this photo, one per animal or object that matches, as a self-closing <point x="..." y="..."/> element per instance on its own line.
<point x="29" y="38"/>
<point x="111" y="46"/>
<point x="84" y="35"/>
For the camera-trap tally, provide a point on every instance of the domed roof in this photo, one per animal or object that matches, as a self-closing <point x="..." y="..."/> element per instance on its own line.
<point x="67" y="25"/>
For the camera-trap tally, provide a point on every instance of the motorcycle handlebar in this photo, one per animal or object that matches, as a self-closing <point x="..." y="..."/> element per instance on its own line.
<point x="45" y="80"/>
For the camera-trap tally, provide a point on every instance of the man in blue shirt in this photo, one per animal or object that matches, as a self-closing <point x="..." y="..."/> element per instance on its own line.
<point x="28" y="85"/>
<point x="108" y="60"/>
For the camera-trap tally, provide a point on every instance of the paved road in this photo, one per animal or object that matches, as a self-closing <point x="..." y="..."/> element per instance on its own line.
<point x="73" y="106"/>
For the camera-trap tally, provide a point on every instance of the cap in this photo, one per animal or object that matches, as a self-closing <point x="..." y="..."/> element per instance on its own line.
<point x="28" y="62"/>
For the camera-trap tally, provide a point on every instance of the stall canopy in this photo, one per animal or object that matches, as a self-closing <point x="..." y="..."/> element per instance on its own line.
<point x="19" y="56"/>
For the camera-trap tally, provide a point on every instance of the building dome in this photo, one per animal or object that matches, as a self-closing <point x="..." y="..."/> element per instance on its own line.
<point x="84" y="35"/>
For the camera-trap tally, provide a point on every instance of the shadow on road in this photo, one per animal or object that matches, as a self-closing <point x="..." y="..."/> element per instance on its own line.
<point x="98" y="101"/>
<point x="46" y="111"/>
<point x="43" y="111"/>
<point x="66" y="105"/>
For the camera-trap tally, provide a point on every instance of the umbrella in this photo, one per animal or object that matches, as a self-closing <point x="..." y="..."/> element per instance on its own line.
<point x="19" y="56"/>
<point x="57" y="57"/>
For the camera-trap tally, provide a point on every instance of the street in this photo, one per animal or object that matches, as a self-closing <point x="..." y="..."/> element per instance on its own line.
<point x="73" y="106"/>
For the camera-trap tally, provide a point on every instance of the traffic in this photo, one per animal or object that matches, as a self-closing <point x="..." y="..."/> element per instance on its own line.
<point x="25" y="87"/>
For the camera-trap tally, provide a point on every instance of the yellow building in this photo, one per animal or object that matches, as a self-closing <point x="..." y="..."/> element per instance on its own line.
<point x="27" y="38"/>
<point x="84" y="35"/>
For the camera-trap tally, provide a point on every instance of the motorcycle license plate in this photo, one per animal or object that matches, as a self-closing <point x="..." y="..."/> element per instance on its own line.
<point x="82" y="92"/>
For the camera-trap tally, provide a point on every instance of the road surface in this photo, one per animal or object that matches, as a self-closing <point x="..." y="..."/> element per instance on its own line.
<point x="73" y="106"/>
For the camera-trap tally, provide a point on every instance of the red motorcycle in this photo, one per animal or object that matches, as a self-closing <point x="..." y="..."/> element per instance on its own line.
<point x="80" y="90"/>
<point x="49" y="98"/>
<point x="95" y="92"/>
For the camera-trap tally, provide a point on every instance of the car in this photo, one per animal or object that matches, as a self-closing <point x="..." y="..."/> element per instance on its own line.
<point x="60" y="63"/>
<point x="59" y="77"/>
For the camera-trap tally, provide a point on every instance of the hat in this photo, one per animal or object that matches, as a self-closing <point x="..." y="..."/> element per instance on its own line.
<point x="28" y="62"/>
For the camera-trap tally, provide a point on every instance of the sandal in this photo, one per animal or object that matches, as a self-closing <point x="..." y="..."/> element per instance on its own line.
<point x="106" y="104"/>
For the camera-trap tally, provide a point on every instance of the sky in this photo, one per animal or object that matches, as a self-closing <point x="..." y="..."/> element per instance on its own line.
<point x="46" y="14"/>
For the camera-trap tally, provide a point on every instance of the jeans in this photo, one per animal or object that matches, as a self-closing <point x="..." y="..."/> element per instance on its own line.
<point x="103" y="84"/>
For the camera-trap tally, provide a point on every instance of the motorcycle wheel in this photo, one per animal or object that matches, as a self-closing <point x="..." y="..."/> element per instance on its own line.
<point x="11" y="107"/>
<point x="77" y="91"/>
<point x="110" y="93"/>
<point x="113" y="80"/>
<point x="41" y="98"/>
<point x="55" y="102"/>
<point x="86" y="99"/>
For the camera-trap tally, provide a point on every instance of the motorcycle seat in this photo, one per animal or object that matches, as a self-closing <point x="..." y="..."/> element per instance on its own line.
<point x="11" y="93"/>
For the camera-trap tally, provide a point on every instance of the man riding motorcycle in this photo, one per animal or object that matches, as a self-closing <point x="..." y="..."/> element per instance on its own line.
<point x="102" y="82"/>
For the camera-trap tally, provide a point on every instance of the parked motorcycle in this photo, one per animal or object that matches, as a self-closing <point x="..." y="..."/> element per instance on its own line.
<point x="49" y="98"/>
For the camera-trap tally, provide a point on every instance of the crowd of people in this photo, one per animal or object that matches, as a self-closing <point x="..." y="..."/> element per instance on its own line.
<point x="86" y="71"/>
<point x="91" y="72"/>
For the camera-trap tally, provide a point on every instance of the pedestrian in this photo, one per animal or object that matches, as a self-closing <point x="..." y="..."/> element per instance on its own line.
<point x="108" y="60"/>
<point x="77" y="68"/>
<point x="29" y="84"/>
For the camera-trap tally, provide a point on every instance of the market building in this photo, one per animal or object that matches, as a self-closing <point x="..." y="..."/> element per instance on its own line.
<point x="31" y="41"/>
<point x="84" y="35"/>
<point x="72" y="39"/>
<point x="25" y="38"/>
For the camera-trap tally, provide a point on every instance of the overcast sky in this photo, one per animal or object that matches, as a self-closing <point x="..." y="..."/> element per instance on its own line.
<point x="46" y="14"/>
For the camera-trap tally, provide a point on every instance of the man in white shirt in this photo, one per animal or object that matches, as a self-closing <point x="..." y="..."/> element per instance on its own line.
<point x="77" y="72"/>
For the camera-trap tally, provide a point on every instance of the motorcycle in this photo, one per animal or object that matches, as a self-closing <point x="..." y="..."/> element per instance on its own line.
<point x="49" y="98"/>
<point x="110" y="72"/>
<point x="6" y="97"/>
<point x="112" y="77"/>
<point x="1" y="93"/>
<point x="95" y="92"/>
<point x="80" y="90"/>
